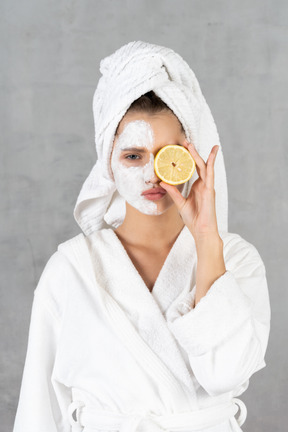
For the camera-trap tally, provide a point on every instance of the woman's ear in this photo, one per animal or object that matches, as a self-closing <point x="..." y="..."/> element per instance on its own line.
<point x="111" y="171"/>
<point x="110" y="158"/>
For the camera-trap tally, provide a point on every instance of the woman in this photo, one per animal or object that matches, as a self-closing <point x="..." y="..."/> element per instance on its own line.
<point x="156" y="317"/>
<point x="148" y="240"/>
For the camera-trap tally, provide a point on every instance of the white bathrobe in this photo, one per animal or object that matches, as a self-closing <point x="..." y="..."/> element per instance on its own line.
<point x="105" y="353"/>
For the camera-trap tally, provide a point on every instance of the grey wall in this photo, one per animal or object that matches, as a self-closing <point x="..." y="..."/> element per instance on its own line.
<point x="50" y="54"/>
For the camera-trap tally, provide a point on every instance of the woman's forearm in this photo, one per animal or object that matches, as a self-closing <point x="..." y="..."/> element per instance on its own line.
<point x="210" y="263"/>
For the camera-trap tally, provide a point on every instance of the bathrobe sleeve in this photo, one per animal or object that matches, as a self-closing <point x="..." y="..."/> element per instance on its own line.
<point x="43" y="401"/>
<point x="226" y="334"/>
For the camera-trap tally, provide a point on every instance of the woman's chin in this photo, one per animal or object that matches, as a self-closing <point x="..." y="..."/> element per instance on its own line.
<point x="157" y="212"/>
<point x="155" y="208"/>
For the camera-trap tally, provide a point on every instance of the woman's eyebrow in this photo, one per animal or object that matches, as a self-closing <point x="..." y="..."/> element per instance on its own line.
<point x="135" y="149"/>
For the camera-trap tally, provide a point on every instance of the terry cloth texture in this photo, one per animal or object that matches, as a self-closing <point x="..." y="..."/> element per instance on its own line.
<point x="131" y="71"/>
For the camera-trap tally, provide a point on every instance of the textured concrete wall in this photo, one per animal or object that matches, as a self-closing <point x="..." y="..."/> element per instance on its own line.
<point x="50" y="54"/>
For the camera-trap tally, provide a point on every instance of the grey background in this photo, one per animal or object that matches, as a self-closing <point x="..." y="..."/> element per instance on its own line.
<point x="50" y="54"/>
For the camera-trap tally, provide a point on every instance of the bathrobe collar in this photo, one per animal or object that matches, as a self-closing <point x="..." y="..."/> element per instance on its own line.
<point x="166" y="288"/>
<point x="126" y="299"/>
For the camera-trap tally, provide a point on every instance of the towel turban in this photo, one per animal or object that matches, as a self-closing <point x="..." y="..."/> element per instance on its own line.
<point x="128" y="73"/>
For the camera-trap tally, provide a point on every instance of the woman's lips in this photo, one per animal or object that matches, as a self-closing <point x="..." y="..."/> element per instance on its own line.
<point x="154" y="194"/>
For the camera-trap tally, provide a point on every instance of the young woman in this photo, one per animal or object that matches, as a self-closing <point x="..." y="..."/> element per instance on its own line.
<point x="156" y="317"/>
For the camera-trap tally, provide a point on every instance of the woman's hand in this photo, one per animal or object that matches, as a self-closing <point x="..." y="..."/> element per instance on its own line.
<point x="198" y="211"/>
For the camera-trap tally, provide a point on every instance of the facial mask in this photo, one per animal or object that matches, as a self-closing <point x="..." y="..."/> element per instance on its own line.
<point x="130" y="181"/>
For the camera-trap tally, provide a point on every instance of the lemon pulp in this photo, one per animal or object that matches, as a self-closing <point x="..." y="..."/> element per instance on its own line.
<point x="174" y="164"/>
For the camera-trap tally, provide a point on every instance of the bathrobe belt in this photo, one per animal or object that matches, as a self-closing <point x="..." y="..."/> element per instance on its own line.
<point x="81" y="416"/>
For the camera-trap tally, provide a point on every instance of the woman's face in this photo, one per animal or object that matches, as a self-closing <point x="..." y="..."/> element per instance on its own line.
<point x="139" y="137"/>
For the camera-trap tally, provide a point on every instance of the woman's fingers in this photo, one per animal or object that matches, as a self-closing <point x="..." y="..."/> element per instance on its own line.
<point x="175" y="194"/>
<point x="210" y="167"/>
<point x="204" y="170"/>
<point x="200" y="164"/>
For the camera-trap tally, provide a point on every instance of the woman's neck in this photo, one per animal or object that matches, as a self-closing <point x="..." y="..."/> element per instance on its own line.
<point x="151" y="232"/>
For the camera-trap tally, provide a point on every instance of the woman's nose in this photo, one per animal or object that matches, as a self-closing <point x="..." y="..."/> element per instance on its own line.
<point x="153" y="180"/>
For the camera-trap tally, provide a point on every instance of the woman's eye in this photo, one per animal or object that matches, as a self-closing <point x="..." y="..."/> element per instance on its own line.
<point x="132" y="157"/>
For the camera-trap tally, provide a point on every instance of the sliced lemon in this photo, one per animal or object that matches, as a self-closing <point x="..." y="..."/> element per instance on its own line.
<point x="174" y="164"/>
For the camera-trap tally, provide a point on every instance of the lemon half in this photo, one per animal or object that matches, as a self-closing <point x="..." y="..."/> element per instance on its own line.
<point x="174" y="164"/>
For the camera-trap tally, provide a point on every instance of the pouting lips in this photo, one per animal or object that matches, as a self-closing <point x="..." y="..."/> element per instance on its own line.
<point x="157" y="190"/>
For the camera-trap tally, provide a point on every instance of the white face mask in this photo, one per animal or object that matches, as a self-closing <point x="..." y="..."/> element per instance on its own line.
<point x="132" y="181"/>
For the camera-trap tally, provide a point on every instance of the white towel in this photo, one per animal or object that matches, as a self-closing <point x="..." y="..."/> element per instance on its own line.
<point x="131" y="71"/>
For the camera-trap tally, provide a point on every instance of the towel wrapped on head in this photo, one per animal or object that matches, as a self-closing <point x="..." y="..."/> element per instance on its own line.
<point x="131" y="71"/>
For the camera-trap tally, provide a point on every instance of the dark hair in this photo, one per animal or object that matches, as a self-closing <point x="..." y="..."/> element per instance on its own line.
<point x="150" y="103"/>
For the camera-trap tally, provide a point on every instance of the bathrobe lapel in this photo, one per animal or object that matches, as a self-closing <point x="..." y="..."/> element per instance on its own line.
<point x="137" y="315"/>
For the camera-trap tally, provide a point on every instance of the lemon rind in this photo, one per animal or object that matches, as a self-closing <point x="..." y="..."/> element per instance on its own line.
<point x="183" y="149"/>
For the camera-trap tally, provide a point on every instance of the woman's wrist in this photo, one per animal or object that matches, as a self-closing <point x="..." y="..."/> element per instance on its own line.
<point x="210" y="262"/>
<point x="208" y="240"/>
